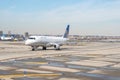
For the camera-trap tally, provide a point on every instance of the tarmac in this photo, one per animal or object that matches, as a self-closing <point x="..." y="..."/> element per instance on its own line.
<point x="86" y="61"/>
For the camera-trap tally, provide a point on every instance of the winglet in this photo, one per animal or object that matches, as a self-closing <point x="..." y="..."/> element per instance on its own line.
<point x="66" y="32"/>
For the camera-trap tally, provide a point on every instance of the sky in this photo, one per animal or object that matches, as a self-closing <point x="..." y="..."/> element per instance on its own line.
<point x="85" y="17"/>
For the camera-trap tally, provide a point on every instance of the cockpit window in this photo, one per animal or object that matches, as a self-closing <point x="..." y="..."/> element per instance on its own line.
<point x="31" y="38"/>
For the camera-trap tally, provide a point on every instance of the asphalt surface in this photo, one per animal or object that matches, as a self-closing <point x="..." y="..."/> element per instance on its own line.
<point x="88" y="61"/>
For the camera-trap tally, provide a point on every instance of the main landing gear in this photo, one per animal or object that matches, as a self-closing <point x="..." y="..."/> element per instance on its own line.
<point x="57" y="47"/>
<point x="35" y="47"/>
<point x="43" y="48"/>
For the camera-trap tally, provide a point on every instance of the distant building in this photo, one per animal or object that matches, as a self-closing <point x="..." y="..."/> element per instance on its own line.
<point x="1" y="33"/>
<point x="9" y="33"/>
<point x="26" y="35"/>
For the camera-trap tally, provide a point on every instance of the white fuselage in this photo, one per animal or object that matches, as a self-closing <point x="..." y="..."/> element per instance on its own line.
<point x="45" y="41"/>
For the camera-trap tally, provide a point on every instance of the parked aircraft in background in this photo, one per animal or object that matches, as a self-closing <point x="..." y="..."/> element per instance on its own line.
<point x="6" y="38"/>
<point x="47" y="41"/>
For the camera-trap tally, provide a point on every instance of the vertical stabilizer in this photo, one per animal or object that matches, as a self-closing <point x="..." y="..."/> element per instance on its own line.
<point x="66" y="32"/>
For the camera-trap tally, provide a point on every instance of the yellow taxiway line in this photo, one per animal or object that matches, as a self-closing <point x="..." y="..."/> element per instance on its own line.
<point x="28" y="75"/>
<point x="36" y="62"/>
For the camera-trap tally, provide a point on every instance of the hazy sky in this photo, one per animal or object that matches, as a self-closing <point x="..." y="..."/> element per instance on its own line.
<point x="86" y="17"/>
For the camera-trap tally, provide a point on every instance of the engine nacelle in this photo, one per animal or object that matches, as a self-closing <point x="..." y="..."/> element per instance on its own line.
<point x="57" y="47"/>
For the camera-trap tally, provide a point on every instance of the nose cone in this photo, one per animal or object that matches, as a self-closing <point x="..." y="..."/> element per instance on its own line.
<point x="30" y="42"/>
<point x="27" y="42"/>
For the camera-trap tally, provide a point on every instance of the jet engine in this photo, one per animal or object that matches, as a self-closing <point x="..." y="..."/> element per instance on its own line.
<point x="57" y="47"/>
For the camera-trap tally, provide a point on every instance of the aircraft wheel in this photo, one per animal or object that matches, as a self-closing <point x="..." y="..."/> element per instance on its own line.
<point x="44" y="48"/>
<point x="57" y="48"/>
<point x="33" y="49"/>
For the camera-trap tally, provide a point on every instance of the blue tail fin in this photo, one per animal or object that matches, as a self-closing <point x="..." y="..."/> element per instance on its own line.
<point x="66" y="32"/>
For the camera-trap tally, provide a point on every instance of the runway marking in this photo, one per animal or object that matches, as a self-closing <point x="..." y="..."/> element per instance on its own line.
<point x="36" y="62"/>
<point x="34" y="71"/>
<point x="91" y="63"/>
<point x="61" y="69"/>
<point x="28" y="75"/>
<point x="6" y="68"/>
<point x="20" y="58"/>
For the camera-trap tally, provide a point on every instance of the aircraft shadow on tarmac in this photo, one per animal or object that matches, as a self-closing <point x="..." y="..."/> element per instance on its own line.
<point x="51" y="49"/>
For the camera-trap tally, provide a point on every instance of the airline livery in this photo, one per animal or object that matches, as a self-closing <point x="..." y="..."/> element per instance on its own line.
<point x="47" y="41"/>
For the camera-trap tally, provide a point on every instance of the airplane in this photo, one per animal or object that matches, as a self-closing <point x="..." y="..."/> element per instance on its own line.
<point x="47" y="41"/>
<point x="6" y="38"/>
